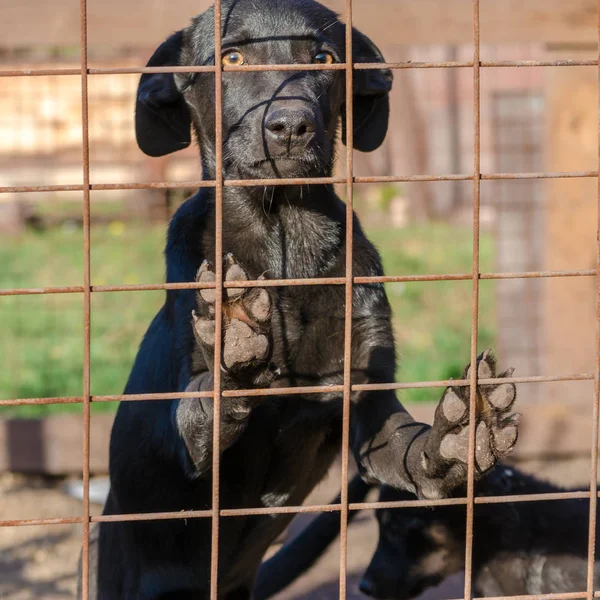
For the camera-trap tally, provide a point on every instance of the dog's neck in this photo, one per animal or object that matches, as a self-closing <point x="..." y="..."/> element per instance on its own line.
<point x="295" y="231"/>
<point x="289" y="231"/>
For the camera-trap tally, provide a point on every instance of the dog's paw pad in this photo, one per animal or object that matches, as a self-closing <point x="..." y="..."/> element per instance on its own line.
<point x="258" y="304"/>
<point x="455" y="446"/>
<point x="506" y="436"/>
<point x="503" y="396"/>
<point x="243" y="345"/>
<point x="453" y="407"/>
<point x="206" y="275"/>
<point x="483" y="448"/>
<point x="205" y="329"/>
<point x="486" y="366"/>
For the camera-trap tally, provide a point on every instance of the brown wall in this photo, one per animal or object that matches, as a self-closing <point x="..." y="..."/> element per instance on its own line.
<point x="571" y="221"/>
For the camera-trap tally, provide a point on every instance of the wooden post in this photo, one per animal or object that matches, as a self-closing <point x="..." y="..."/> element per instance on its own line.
<point x="570" y="224"/>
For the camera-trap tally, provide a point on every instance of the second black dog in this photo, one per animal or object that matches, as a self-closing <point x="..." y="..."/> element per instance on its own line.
<point x="520" y="548"/>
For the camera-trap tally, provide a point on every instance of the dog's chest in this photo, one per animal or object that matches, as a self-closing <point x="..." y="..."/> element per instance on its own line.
<point x="292" y="243"/>
<point x="308" y="334"/>
<point x="287" y="449"/>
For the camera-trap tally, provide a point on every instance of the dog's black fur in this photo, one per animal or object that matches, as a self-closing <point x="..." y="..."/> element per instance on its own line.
<point x="274" y="449"/>
<point x="520" y="548"/>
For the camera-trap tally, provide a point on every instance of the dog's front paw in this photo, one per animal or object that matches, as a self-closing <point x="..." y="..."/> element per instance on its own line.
<point x="247" y="339"/>
<point x="496" y="428"/>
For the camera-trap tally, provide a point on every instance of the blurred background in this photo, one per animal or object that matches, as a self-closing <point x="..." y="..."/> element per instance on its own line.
<point x="533" y="119"/>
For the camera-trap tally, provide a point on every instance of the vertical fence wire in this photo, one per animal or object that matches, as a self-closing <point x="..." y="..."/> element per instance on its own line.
<point x="348" y="302"/>
<point x="596" y="405"/>
<point x="87" y="300"/>
<point x="475" y="302"/>
<point x="218" y="266"/>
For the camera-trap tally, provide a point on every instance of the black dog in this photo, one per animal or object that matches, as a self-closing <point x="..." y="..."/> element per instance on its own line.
<point x="520" y="548"/>
<point x="275" y="449"/>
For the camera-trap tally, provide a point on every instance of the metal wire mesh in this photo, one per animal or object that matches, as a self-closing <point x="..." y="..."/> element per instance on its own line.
<point x="349" y="281"/>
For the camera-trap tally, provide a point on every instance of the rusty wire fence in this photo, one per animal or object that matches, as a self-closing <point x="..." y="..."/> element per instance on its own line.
<point x="349" y="281"/>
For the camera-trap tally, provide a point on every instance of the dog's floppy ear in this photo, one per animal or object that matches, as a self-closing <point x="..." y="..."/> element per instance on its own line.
<point x="371" y="101"/>
<point x="162" y="118"/>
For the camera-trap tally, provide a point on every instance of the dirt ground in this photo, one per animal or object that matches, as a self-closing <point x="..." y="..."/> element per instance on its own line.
<point x="39" y="562"/>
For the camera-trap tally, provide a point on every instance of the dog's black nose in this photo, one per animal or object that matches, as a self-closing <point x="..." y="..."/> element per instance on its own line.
<point x="367" y="587"/>
<point x="291" y="127"/>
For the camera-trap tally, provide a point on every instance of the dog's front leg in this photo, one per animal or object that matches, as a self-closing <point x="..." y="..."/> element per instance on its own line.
<point x="194" y="421"/>
<point x="245" y="363"/>
<point x="431" y="461"/>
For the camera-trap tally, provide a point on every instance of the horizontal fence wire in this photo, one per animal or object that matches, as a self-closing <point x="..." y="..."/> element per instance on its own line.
<point x="75" y="289"/>
<point x="303" y="509"/>
<point x="34" y="72"/>
<point x="300" y="390"/>
<point x="207" y="183"/>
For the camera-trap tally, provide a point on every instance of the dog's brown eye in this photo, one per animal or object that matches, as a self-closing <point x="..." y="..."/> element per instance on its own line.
<point x="323" y="58"/>
<point x="233" y="58"/>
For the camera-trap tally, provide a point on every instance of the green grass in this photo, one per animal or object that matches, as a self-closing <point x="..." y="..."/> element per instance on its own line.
<point x="41" y="339"/>
<point x="432" y="320"/>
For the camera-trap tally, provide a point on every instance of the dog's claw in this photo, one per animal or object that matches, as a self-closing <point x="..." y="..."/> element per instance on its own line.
<point x="508" y="373"/>
<point x="234" y="272"/>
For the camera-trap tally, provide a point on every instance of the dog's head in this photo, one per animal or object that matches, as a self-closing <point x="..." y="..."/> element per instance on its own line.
<point x="277" y="123"/>
<point x="417" y="548"/>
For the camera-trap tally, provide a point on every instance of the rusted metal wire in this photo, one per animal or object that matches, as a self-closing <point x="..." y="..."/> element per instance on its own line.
<point x="300" y="390"/>
<point x="347" y="387"/>
<point x="300" y="181"/>
<point x="474" y="303"/>
<point x="38" y="522"/>
<point x="295" y="282"/>
<point x="36" y="72"/>
<point x="596" y="405"/>
<point x="87" y="302"/>
<point x="565" y="596"/>
<point x="304" y="509"/>
<point x="216" y="457"/>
